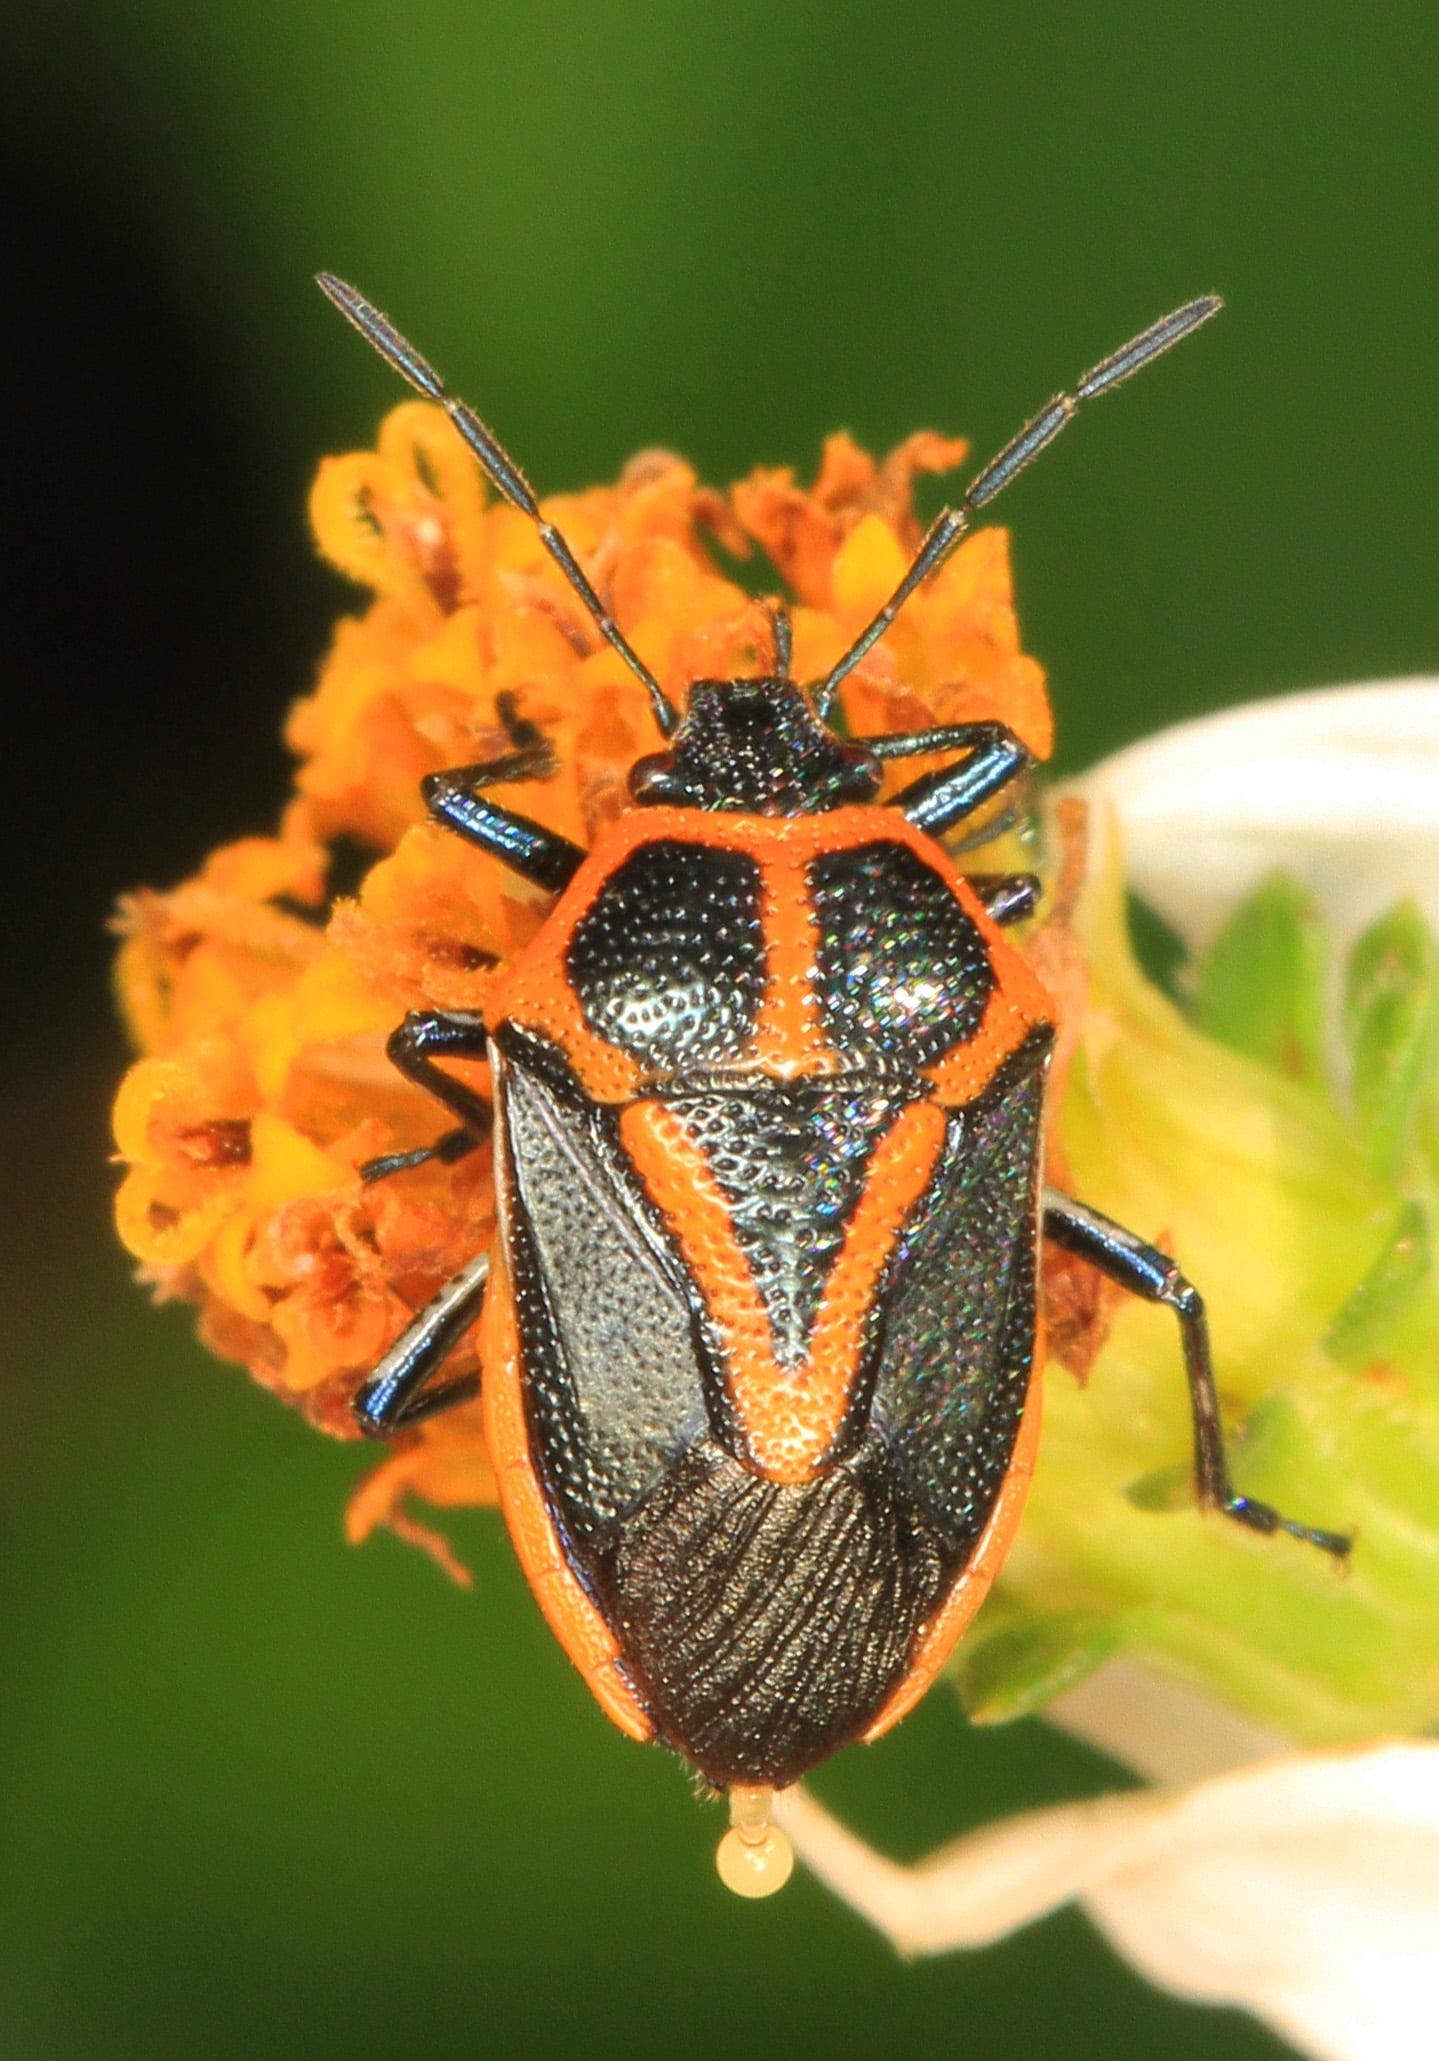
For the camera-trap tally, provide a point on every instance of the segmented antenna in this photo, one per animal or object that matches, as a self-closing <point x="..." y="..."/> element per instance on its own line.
<point x="948" y="527"/>
<point x="500" y="469"/>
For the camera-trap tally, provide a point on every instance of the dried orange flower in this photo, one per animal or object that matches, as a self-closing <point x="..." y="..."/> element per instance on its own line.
<point x="262" y="1008"/>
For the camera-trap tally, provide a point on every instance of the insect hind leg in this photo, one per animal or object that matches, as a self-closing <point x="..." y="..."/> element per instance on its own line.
<point x="395" y="1395"/>
<point x="1151" y="1274"/>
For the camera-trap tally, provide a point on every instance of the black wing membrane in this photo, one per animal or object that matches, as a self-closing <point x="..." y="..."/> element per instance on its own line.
<point x="612" y="1375"/>
<point x="958" y="1343"/>
<point x="769" y="1621"/>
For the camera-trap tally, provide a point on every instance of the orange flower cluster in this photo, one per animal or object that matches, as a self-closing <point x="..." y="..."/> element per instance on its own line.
<point x="261" y="1007"/>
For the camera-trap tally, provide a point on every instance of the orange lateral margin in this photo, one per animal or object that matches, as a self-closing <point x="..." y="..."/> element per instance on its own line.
<point x="942" y="1634"/>
<point x="571" y="1616"/>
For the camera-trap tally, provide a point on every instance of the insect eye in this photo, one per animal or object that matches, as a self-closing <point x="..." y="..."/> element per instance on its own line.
<point x="652" y="778"/>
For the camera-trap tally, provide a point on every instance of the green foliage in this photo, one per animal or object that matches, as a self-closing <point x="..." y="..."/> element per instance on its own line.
<point x="1301" y="1205"/>
<point x="1365" y="1327"/>
<point x="1391" y="1026"/>
<point x="1158" y="948"/>
<point x="1163" y="1488"/>
<point x="1011" y="1666"/>
<point x="1260" y="987"/>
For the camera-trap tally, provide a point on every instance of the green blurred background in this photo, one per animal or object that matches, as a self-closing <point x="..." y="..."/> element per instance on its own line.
<point x="260" y="1793"/>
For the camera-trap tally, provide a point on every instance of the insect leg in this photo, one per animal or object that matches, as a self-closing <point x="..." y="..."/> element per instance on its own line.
<point x="1007" y="897"/>
<point x="937" y="801"/>
<point x="783" y="631"/>
<point x="414" y="1047"/>
<point x="454" y="801"/>
<point x="395" y="1395"/>
<point x="908" y="744"/>
<point x="1147" y="1272"/>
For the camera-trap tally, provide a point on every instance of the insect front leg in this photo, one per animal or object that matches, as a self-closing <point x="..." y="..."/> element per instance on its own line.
<point x="1147" y="1272"/>
<point x="454" y="800"/>
<point x="395" y="1395"/>
<point x="936" y="802"/>
<point x="424" y="1037"/>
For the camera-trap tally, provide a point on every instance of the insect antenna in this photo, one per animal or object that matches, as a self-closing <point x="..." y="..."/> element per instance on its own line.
<point x="500" y="469"/>
<point x="952" y="523"/>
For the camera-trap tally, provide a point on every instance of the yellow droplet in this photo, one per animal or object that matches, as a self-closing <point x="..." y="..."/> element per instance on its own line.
<point x="754" y="1867"/>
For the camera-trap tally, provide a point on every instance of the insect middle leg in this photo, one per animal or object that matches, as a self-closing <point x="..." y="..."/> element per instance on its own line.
<point x="1147" y="1272"/>
<point x="424" y="1037"/>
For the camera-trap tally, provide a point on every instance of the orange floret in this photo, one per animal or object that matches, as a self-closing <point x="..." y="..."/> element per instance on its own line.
<point x="261" y="1007"/>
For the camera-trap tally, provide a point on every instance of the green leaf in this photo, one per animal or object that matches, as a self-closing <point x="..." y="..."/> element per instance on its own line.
<point x="1018" y="1669"/>
<point x="1391" y="1024"/>
<point x="1260" y="986"/>
<point x="1163" y="1489"/>
<point x="1158" y="948"/>
<point x="1365" y="1324"/>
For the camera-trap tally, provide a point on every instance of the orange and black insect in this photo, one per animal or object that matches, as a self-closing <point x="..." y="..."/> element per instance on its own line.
<point x="760" y="1343"/>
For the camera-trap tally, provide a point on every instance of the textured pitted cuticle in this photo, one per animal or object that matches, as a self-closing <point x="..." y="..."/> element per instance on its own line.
<point x="901" y="970"/>
<point x="668" y="962"/>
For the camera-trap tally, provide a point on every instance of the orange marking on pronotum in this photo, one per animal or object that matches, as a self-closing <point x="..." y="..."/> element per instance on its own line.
<point x="788" y="1038"/>
<point x="534" y="988"/>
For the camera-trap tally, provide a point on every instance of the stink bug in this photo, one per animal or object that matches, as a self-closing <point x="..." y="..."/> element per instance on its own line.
<point x="759" y="1334"/>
